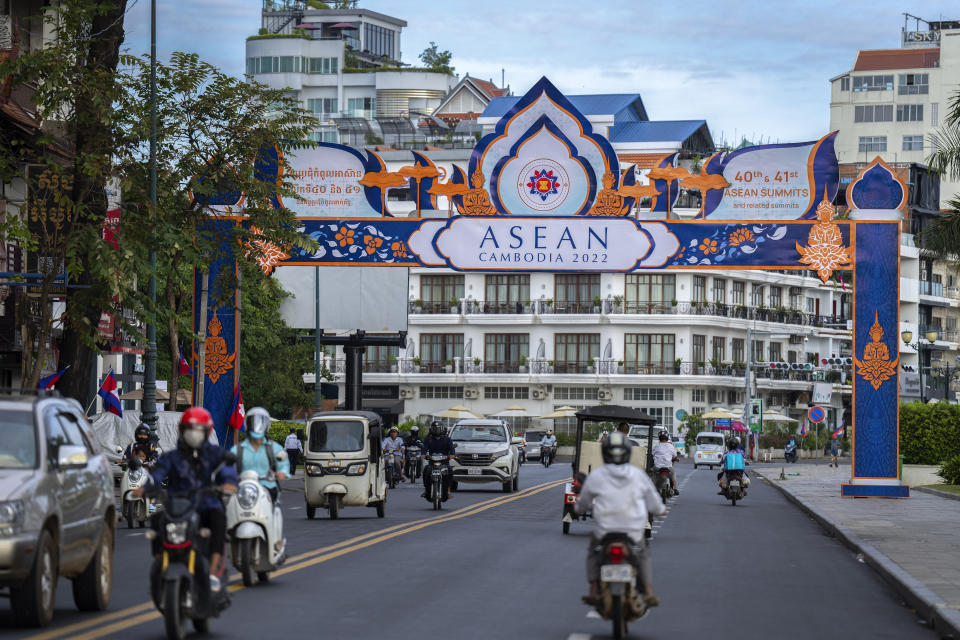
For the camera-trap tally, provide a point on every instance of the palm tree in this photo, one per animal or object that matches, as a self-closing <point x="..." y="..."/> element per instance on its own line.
<point x="941" y="238"/>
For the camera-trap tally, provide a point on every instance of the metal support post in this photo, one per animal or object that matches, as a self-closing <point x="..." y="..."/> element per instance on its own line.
<point x="317" y="345"/>
<point x="148" y="404"/>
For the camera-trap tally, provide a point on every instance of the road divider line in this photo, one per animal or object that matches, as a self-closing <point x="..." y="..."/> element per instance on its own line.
<point x="302" y="561"/>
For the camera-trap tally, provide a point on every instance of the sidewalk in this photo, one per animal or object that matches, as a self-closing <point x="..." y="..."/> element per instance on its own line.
<point x="912" y="543"/>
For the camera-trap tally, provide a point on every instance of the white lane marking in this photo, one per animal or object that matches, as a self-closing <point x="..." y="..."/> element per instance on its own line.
<point x="294" y="508"/>
<point x="593" y="614"/>
<point x="580" y="636"/>
<point x="134" y="535"/>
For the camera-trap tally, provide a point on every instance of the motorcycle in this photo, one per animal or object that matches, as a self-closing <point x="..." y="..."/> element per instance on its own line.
<point x="661" y="479"/>
<point x="621" y="598"/>
<point x="546" y="455"/>
<point x="180" y="574"/>
<point x="134" y="509"/>
<point x="255" y="524"/>
<point x="735" y="486"/>
<point x="389" y="463"/>
<point x="790" y="452"/>
<point x="437" y="468"/>
<point x="413" y="465"/>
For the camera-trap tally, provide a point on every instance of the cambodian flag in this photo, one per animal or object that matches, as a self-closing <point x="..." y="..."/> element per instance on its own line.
<point x="803" y="429"/>
<point x="107" y="391"/>
<point x="51" y="380"/>
<point x="838" y="432"/>
<point x="183" y="367"/>
<point x="237" y="414"/>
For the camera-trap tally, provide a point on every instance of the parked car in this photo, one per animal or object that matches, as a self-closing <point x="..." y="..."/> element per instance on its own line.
<point x="533" y="438"/>
<point x="486" y="452"/>
<point x="57" y="511"/>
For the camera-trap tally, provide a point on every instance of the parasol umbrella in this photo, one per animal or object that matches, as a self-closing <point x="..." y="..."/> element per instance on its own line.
<point x="718" y="414"/>
<point x="513" y="412"/>
<point x="343" y="25"/>
<point x="773" y="416"/>
<point x="457" y="413"/>
<point x="562" y="412"/>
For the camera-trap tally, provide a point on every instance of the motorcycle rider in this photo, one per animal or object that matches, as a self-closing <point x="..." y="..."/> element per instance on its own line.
<point x="437" y="442"/>
<point x="413" y="440"/>
<point x="258" y="453"/>
<point x="621" y="497"/>
<point x="187" y="469"/>
<point x="733" y="446"/>
<point x="548" y="440"/>
<point x="141" y="438"/>
<point x="664" y="455"/>
<point x="394" y="444"/>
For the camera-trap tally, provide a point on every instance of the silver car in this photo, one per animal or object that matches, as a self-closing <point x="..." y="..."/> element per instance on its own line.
<point x="57" y="512"/>
<point x="533" y="439"/>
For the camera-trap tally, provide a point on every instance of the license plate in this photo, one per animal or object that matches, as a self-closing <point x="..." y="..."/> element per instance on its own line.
<point x="333" y="463"/>
<point x="616" y="573"/>
<point x="474" y="472"/>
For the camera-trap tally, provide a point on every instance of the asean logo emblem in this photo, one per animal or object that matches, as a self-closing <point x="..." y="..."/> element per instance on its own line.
<point x="543" y="185"/>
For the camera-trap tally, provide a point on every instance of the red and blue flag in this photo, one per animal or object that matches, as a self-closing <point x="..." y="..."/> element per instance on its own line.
<point x="51" y="380"/>
<point x="108" y="391"/>
<point x="837" y="433"/>
<point x="803" y="429"/>
<point x="183" y="367"/>
<point x="237" y="413"/>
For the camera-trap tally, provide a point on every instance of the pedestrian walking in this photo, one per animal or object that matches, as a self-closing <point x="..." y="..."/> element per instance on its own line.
<point x="294" y="449"/>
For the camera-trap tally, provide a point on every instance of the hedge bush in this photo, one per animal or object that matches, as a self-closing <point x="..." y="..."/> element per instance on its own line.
<point x="929" y="433"/>
<point x="950" y="470"/>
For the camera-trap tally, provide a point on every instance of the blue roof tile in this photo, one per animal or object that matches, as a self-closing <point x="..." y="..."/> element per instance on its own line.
<point x="655" y="131"/>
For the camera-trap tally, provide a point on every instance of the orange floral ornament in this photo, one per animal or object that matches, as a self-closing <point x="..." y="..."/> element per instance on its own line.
<point x="708" y="246"/>
<point x="399" y="250"/>
<point x="345" y="236"/>
<point x="372" y="243"/>
<point x="740" y="236"/>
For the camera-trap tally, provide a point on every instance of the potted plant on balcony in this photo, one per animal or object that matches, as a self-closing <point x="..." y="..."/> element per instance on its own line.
<point x="676" y="366"/>
<point x="715" y="364"/>
<point x="548" y="305"/>
<point x="523" y="364"/>
<point x="476" y="365"/>
<point x="393" y="364"/>
<point x="761" y="311"/>
<point x="416" y="364"/>
<point x="619" y="366"/>
<point x="549" y="366"/>
<point x="701" y="366"/>
<point x="597" y="303"/>
<point x="618" y="304"/>
<point x="418" y="306"/>
<point x="447" y="366"/>
<point x="454" y="306"/>
<point x="526" y="305"/>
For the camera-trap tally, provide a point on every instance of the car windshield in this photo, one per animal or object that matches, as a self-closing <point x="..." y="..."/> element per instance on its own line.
<point x="534" y="436"/>
<point x="18" y="440"/>
<point x="716" y="441"/>
<point x="478" y="433"/>
<point x="335" y="436"/>
<point x="639" y="432"/>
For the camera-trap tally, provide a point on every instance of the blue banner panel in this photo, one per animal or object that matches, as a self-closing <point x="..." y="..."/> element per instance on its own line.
<point x="876" y="350"/>
<point x="874" y="491"/>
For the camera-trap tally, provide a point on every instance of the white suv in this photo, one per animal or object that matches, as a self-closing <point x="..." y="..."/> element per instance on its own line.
<point x="485" y="453"/>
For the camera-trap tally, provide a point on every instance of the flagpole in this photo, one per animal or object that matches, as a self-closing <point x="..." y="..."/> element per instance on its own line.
<point x="96" y="395"/>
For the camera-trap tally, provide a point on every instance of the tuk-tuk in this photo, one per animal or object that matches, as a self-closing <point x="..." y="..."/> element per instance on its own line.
<point x="587" y="455"/>
<point x="343" y="462"/>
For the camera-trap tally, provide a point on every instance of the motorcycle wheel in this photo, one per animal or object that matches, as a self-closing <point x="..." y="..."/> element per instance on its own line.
<point x="311" y="512"/>
<point x="128" y="515"/>
<point x="246" y="562"/>
<point x="174" y="621"/>
<point x="616" y="617"/>
<point x="334" y="506"/>
<point x="436" y="495"/>
<point x="381" y="509"/>
<point x="201" y="625"/>
<point x="733" y="501"/>
<point x="516" y="481"/>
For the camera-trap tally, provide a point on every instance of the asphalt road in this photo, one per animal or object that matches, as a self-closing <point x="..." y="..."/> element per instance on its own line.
<point x="495" y="565"/>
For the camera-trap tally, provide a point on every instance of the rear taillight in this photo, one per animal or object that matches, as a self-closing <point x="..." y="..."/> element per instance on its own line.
<point x="664" y="472"/>
<point x="616" y="553"/>
<point x="570" y="498"/>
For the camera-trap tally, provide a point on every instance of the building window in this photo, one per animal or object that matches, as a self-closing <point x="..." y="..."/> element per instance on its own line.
<point x="913" y="143"/>
<point x="658" y="394"/>
<point x="737" y="349"/>
<point x="736" y="295"/>
<point x="663" y="416"/>
<point x="719" y="348"/>
<point x="503" y="352"/>
<point x="909" y="113"/>
<point x="378" y="40"/>
<point x="934" y="114"/>
<point x="845" y="83"/>
<point x="757" y="354"/>
<point x="576" y="393"/>
<point x="506" y="393"/>
<point x="322" y="65"/>
<point x="873" y="83"/>
<point x="699" y="395"/>
<point x="699" y="289"/>
<point x="913" y="84"/>
<point x="649" y="352"/>
<point x="361" y="107"/>
<point x="380" y="358"/>
<point x="437" y="349"/>
<point x="756" y="295"/>
<point x="322" y="106"/>
<point x="574" y="352"/>
<point x="873" y="113"/>
<point x="441" y="393"/>
<point x="872" y="143"/>
<point x="776" y="297"/>
<point x="438" y="292"/>
<point x="720" y="290"/>
<point x="649" y="293"/>
<point x="505" y="293"/>
<point x="699" y="349"/>
<point x="811" y="305"/>
<point x="575" y="293"/>
<point x="776" y="355"/>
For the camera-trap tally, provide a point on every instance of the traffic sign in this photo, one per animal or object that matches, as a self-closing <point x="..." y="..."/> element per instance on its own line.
<point x="816" y="414"/>
<point x="681" y="414"/>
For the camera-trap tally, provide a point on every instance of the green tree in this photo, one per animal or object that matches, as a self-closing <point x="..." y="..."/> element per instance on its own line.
<point x="941" y="238"/>
<point x="437" y="60"/>
<point x="212" y="131"/>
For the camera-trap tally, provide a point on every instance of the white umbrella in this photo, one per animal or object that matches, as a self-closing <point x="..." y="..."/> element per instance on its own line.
<point x="457" y="413"/>
<point x="562" y="412"/>
<point x="513" y="412"/>
<point x="718" y="414"/>
<point x="773" y="416"/>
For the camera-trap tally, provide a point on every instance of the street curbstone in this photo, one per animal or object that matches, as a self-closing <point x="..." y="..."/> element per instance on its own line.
<point x="928" y="606"/>
<point x="936" y="492"/>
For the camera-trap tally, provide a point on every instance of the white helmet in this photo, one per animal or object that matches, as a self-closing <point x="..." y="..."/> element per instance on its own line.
<point x="257" y="422"/>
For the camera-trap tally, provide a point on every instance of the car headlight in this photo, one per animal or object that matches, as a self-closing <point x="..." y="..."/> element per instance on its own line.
<point x="248" y="494"/>
<point x="176" y="532"/>
<point x="12" y="515"/>
<point x="356" y="469"/>
<point x="313" y="470"/>
<point x="499" y="454"/>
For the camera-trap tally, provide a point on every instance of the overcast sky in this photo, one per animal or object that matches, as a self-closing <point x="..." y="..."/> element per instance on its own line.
<point x="754" y="68"/>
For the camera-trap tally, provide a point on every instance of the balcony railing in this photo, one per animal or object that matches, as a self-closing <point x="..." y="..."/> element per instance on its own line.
<point x="433" y="307"/>
<point x="928" y="288"/>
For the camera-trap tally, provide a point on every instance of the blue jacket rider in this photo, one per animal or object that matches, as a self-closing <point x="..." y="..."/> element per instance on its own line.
<point x="253" y="453"/>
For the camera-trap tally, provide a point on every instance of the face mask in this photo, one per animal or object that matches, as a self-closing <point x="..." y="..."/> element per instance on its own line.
<point x="194" y="437"/>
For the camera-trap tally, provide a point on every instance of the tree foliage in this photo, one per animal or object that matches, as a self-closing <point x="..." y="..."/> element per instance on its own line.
<point x="929" y="433"/>
<point x="437" y="60"/>
<point x="941" y="238"/>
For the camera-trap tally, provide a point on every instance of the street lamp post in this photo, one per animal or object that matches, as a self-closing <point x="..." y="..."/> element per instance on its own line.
<point x="931" y="337"/>
<point x="148" y="404"/>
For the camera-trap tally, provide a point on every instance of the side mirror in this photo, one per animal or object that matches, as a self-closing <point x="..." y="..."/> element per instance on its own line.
<point x="229" y="458"/>
<point x="71" y="456"/>
<point x="119" y="451"/>
<point x="282" y="455"/>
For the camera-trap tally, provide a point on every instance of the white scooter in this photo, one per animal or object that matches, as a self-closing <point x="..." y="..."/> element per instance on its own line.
<point x="134" y="509"/>
<point x="255" y="524"/>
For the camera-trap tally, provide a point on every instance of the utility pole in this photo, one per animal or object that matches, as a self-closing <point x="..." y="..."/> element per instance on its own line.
<point x="317" y="345"/>
<point x="148" y="405"/>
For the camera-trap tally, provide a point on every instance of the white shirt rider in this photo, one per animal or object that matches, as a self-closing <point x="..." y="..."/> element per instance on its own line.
<point x="663" y="455"/>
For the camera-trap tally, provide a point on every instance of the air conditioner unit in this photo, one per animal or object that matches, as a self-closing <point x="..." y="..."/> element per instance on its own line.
<point x="605" y="394"/>
<point x="539" y="393"/>
<point x="471" y="393"/>
<point x="407" y="393"/>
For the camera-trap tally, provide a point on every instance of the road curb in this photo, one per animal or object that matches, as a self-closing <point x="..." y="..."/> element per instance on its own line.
<point x="928" y="605"/>
<point x="938" y="493"/>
